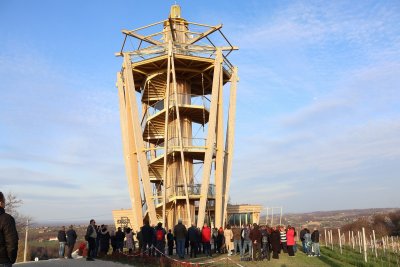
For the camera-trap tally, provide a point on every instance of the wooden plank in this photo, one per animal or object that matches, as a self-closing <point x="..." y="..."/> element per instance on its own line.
<point x="229" y="142"/>
<point x="166" y="106"/>
<point x="206" y="33"/>
<point x="180" y="140"/>
<point x="130" y="158"/>
<point x="141" y="37"/>
<point x="210" y="140"/>
<point x="219" y="158"/>
<point x="139" y="144"/>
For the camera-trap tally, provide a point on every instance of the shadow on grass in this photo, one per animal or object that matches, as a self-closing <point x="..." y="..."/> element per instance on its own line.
<point x="329" y="261"/>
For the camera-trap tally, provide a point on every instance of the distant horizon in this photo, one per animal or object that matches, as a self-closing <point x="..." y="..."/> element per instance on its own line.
<point x="111" y="221"/>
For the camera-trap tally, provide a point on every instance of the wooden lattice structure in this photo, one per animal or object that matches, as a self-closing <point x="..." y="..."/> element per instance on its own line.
<point x="180" y="81"/>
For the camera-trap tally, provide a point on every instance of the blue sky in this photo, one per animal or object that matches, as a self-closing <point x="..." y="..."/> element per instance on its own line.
<point x="318" y="116"/>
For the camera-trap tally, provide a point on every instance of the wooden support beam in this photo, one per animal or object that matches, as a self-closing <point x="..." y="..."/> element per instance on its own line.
<point x="139" y="144"/>
<point x="166" y="138"/>
<point x="204" y="34"/>
<point x="130" y="158"/>
<point x="229" y="142"/>
<point x="210" y="139"/>
<point x="142" y="37"/>
<point x="219" y="158"/>
<point x="180" y="140"/>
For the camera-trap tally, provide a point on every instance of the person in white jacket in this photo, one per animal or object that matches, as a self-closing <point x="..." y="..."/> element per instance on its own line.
<point x="228" y="235"/>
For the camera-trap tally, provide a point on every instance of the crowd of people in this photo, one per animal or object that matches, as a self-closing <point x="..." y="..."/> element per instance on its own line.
<point x="251" y="242"/>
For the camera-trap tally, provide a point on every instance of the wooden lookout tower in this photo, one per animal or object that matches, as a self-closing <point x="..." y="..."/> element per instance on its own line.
<point x="177" y="145"/>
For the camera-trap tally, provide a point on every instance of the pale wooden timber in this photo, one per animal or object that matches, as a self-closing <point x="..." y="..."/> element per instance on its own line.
<point x="219" y="157"/>
<point x="130" y="157"/>
<point x="141" y="37"/>
<point x="165" y="173"/>
<point x="160" y="49"/>
<point x="129" y="84"/>
<point x="230" y="138"/>
<point x="204" y="34"/>
<point x="180" y="140"/>
<point x="210" y="140"/>
<point x="169" y="148"/>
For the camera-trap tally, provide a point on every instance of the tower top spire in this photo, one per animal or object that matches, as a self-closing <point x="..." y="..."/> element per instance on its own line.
<point x="175" y="11"/>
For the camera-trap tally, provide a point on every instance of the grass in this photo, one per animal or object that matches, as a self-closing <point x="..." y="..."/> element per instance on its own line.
<point x="349" y="257"/>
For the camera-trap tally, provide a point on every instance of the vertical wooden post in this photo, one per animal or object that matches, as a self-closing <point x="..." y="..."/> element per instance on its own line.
<point x="349" y="238"/>
<point x="392" y="243"/>
<point x="376" y="252"/>
<point x="229" y="141"/>
<point x="185" y="180"/>
<point x="340" y="241"/>
<point x="384" y="245"/>
<point x="326" y="241"/>
<point x="331" y="239"/>
<point x="26" y="239"/>
<point x="219" y="157"/>
<point x="144" y="170"/>
<point x="130" y="155"/>
<point x="371" y="243"/>
<point x="210" y="139"/>
<point x="359" y="240"/>
<point x="272" y="216"/>
<point x="365" y="245"/>
<point x="352" y="239"/>
<point x="166" y="136"/>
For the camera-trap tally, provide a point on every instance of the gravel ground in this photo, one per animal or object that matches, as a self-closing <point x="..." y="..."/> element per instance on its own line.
<point x="70" y="263"/>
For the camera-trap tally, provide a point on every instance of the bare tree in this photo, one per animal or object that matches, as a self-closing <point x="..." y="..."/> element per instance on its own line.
<point x="11" y="207"/>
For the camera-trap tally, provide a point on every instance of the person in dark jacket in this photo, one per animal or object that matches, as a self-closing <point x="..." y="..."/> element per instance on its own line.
<point x="120" y="236"/>
<point x="315" y="242"/>
<point x="91" y="235"/>
<point x="104" y="237"/>
<point x="256" y="240"/>
<point x="193" y="239"/>
<point x="140" y="239"/>
<point x="62" y="240"/>
<point x="113" y="241"/>
<point x="303" y="243"/>
<point x="71" y="240"/>
<point x="265" y="239"/>
<point x="170" y="240"/>
<point x="97" y="246"/>
<point x="180" y="233"/>
<point x="147" y="237"/>
<point x="8" y="236"/>
<point x="220" y="240"/>
<point x="275" y="241"/>
<point x="199" y="241"/>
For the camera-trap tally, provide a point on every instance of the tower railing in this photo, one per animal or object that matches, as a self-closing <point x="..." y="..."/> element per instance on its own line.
<point x="193" y="190"/>
<point x="183" y="100"/>
<point x="205" y="51"/>
<point x="174" y="144"/>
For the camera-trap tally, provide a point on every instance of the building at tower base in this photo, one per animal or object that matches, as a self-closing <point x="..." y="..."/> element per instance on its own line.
<point x="238" y="215"/>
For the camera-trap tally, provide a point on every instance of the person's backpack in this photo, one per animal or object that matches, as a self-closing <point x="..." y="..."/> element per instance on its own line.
<point x="159" y="235"/>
